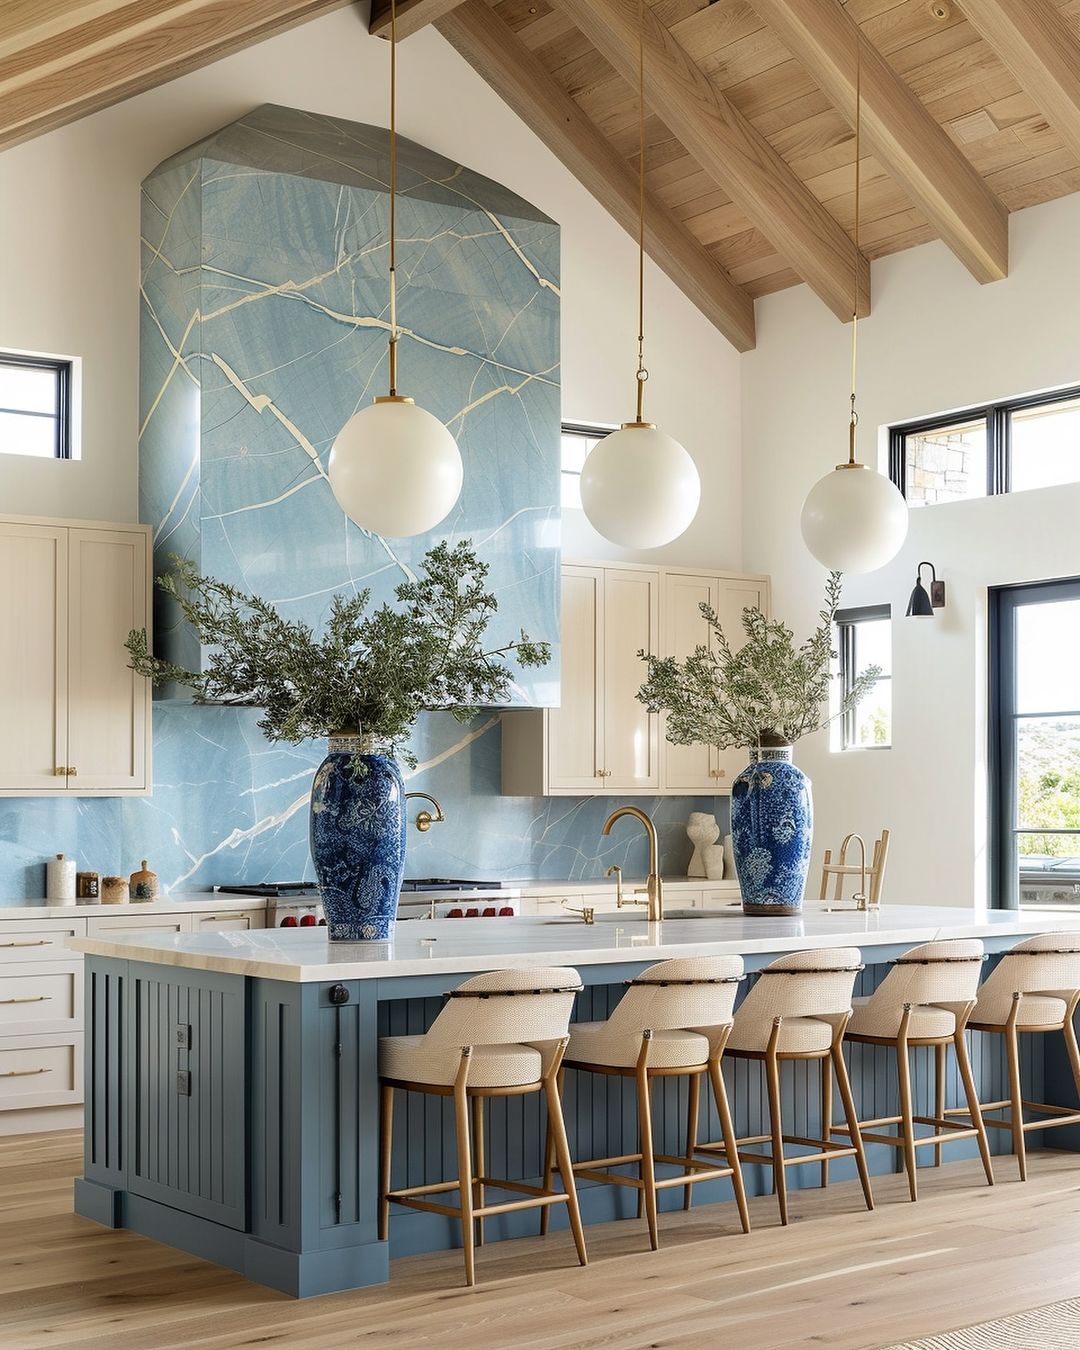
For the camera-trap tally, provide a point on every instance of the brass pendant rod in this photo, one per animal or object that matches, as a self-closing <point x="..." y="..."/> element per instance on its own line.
<point x="642" y="373"/>
<point x="855" y="282"/>
<point x="393" y="199"/>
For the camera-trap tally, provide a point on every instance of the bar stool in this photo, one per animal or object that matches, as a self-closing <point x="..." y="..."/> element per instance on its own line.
<point x="925" y="1000"/>
<point x="798" y="1009"/>
<point x="672" y="1021"/>
<point x="1035" y="987"/>
<point x="499" y="1035"/>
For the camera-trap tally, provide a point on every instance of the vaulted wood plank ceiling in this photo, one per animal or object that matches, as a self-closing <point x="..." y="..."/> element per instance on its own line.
<point x="971" y="110"/>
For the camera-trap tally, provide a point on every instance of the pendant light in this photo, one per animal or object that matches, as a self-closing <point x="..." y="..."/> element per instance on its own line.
<point x="854" y="519"/>
<point x="639" y="487"/>
<point x="394" y="468"/>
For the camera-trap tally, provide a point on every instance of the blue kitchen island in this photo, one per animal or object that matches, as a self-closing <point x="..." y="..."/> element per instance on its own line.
<point x="232" y="1097"/>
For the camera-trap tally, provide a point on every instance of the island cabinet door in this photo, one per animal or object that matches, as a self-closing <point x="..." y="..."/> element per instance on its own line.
<point x="187" y="1113"/>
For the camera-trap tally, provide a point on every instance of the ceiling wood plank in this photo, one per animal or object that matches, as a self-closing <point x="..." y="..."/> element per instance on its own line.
<point x="1041" y="49"/>
<point x="412" y="15"/>
<point x="729" y="148"/>
<point x="912" y="147"/>
<point x="519" y="78"/>
<point x="85" y="57"/>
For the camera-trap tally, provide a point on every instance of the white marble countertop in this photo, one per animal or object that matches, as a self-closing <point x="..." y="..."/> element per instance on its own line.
<point x="461" y="946"/>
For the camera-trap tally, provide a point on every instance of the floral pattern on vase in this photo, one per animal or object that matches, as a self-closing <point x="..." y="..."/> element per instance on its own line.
<point x="772" y="824"/>
<point x="358" y="840"/>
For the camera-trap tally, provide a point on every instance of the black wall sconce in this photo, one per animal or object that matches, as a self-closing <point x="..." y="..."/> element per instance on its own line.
<point x="921" y="604"/>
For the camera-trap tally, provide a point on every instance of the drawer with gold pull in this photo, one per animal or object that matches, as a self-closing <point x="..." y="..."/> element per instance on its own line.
<point x="37" y="939"/>
<point x="40" y="1071"/>
<point x="45" y="997"/>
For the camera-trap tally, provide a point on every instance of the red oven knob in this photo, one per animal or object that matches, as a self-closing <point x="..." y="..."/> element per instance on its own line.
<point x="455" y="914"/>
<point x="507" y="912"/>
<point x="489" y="912"/>
<point x="322" y="923"/>
<point x="289" y="921"/>
<point x="472" y="913"/>
<point x="307" y="920"/>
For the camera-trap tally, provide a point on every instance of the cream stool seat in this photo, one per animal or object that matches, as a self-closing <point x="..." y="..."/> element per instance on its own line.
<point x="798" y="1009"/>
<point x="499" y="1034"/>
<point x="1035" y="988"/>
<point x="672" y="1021"/>
<point x="925" y="1000"/>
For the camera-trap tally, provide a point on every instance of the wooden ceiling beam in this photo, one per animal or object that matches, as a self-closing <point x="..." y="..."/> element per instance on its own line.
<point x="730" y="150"/>
<point x="910" y="145"/>
<point x="491" y="47"/>
<point x="1034" y="40"/>
<point x="75" y="58"/>
<point x="412" y="15"/>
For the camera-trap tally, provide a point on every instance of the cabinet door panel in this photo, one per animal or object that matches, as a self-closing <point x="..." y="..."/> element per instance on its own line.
<point x="33" y="672"/>
<point x="575" y="728"/>
<point x="229" y="921"/>
<point x="732" y="598"/>
<point x="105" y="924"/>
<point x="108" y="707"/>
<point x="631" y="733"/>
<point x="688" y="768"/>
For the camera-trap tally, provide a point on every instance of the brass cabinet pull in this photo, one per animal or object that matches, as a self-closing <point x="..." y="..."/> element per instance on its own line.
<point x="718" y="773"/>
<point x="71" y="772"/>
<point x="23" y="1073"/>
<point x="37" y="942"/>
<point x="32" y="998"/>
<point x="59" y="771"/>
<point x="603" y="773"/>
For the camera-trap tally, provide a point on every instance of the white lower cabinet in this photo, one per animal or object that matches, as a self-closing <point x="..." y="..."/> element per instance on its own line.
<point x="231" y="921"/>
<point x="40" y="1071"/>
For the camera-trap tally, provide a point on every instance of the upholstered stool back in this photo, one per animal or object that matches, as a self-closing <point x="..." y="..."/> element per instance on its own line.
<point x="805" y="984"/>
<point x="507" y="1007"/>
<point x="1048" y="965"/>
<point x="931" y="974"/>
<point x="679" y="995"/>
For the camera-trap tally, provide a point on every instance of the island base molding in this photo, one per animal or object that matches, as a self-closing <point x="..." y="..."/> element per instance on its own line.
<point x="236" y="1117"/>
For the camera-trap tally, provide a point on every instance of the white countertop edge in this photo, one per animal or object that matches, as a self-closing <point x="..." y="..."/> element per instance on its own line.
<point x="200" y="904"/>
<point x="266" y="953"/>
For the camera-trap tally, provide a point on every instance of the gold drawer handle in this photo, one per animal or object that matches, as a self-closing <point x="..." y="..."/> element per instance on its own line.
<point x="60" y="771"/>
<point x="603" y="773"/>
<point x="23" y="1073"/>
<point x="718" y="773"/>
<point x="38" y="942"/>
<point x="71" y="772"/>
<point x="32" y="998"/>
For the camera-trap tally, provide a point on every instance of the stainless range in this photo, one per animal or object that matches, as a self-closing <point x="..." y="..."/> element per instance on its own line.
<point x="296" y="904"/>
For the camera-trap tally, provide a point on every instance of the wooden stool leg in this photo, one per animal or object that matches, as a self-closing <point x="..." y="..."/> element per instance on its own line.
<point x="907" y="1123"/>
<point x="1069" y="1032"/>
<point x="692" y="1109"/>
<point x="549" y="1156"/>
<point x="939" y="1093"/>
<point x="557" y="1127"/>
<point x="826" y="1113"/>
<point x="1016" y="1096"/>
<point x="731" y="1146"/>
<point x="850" y="1115"/>
<point x="465" y="1178"/>
<point x="479" y="1163"/>
<point x="386" y="1139"/>
<point x="974" y="1109"/>
<point x="648" y="1165"/>
<point x="772" y="1076"/>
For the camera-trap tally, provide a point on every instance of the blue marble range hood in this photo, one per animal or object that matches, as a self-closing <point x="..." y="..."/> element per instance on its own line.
<point x="264" y="328"/>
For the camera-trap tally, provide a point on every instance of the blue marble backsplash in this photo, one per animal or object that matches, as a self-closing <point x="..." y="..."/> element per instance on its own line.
<point x="229" y="807"/>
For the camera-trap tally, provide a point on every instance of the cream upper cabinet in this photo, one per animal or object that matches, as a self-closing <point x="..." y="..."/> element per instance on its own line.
<point x="76" y="719"/>
<point x="601" y="740"/>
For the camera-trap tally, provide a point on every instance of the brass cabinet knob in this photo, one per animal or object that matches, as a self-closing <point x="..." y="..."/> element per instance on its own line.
<point x="59" y="771"/>
<point x="603" y="773"/>
<point x="718" y="773"/>
<point x="72" y="772"/>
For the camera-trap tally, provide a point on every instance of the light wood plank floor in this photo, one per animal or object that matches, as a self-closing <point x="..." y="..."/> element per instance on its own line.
<point x="838" y="1277"/>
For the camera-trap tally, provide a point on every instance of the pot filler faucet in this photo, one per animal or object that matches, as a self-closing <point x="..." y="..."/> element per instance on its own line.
<point x="654" y="887"/>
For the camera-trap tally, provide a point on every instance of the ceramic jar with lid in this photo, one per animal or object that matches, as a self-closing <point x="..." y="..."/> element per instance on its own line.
<point x="114" y="890"/>
<point x="144" y="883"/>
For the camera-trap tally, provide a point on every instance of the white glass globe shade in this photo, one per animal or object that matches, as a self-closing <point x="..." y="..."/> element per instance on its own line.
<point x="854" y="520"/>
<point x="395" y="469"/>
<point x="639" y="487"/>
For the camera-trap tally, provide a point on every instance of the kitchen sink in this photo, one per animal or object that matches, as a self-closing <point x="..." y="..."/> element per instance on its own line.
<point x="639" y="916"/>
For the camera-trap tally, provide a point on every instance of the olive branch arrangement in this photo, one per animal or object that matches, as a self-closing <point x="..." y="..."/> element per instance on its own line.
<point x="767" y="692"/>
<point x="370" y="672"/>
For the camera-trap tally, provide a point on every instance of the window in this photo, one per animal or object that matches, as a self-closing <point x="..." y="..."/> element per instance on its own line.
<point x="578" y="438"/>
<point x="35" y="406"/>
<point x="1035" y="744"/>
<point x="864" y="639"/>
<point x="1006" y="447"/>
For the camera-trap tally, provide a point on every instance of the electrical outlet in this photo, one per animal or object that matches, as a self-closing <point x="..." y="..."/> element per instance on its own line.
<point x="183" y="1083"/>
<point x="183" y="1035"/>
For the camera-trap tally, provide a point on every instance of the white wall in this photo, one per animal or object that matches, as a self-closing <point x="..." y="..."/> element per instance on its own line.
<point x="936" y="341"/>
<point x="69" y="261"/>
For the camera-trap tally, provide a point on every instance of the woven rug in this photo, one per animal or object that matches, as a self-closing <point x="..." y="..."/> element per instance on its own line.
<point x="1054" y="1327"/>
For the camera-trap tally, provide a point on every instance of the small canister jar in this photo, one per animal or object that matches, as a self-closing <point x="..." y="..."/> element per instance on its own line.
<point x="114" y="890"/>
<point x="144" y="883"/>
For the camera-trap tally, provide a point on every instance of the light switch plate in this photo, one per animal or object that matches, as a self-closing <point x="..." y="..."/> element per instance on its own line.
<point x="183" y="1083"/>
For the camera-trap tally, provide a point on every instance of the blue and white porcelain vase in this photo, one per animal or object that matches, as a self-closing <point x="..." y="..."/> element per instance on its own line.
<point x="772" y="826"/>
<point x="358" y="839"/>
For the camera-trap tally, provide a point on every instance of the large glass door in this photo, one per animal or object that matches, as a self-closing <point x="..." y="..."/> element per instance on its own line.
<point x="1035" y="746"/>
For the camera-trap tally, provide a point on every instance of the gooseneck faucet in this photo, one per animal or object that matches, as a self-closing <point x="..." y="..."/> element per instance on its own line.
<point x="424" y="819"/>
<point x="654" y="887"/>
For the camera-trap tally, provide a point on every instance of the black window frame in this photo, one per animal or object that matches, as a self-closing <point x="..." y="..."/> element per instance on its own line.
<point x="1003" y="793"/>
<point x="593" y="431"/>
<point x="845" y="622"/>
<point x="63" y="371"/>
<point x="998" y="418"/>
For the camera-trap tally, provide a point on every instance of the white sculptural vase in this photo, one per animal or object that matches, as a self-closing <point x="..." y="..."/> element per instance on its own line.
<point x="701" y="830"/>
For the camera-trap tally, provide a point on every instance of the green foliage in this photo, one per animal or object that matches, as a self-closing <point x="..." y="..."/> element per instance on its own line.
<point x="370" y="672"/>
<point x="766" y="691"/>
<point x="1048" y="787"/>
